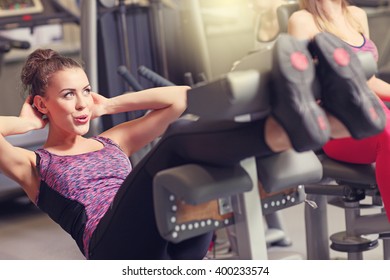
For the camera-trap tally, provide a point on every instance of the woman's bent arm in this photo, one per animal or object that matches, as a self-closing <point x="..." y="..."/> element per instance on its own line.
<point x="29" y="119"/>
<point x="167" y="104"/>
<point x="149" y="99"/>
<point x="18" y="163"/>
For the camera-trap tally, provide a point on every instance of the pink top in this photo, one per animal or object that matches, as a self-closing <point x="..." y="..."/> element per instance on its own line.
<point x="91" y="179"/>
<point x="367" y="46"/>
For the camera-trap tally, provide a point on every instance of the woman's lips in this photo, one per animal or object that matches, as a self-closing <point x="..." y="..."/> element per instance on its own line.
<point x="82" y="119"/>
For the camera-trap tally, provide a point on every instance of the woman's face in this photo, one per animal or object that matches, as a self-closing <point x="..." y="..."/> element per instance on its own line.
<point x="68" y="101"/>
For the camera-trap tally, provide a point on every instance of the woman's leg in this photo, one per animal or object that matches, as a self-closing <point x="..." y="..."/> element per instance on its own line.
<point x="369" y="150"/>
<point x="353" y="151"/>
<point x="128" y="230"/>
<point x="382" y="169"/>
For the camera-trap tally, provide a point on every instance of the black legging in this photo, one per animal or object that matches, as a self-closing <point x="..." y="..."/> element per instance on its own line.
<point x="129" y="230"/>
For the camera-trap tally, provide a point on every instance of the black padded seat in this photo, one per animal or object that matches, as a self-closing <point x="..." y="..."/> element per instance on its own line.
<point x="363" y="174"/>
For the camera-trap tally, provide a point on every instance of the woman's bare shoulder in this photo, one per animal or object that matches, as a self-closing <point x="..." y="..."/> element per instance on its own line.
<point x="302" y="13"/>
<point x="302" y="25"/>
<point x="357" y="12"/>
<point x="360" y="16"/>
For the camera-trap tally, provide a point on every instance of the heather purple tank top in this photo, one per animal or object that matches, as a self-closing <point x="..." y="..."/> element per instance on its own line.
<point x="91" y="179"/>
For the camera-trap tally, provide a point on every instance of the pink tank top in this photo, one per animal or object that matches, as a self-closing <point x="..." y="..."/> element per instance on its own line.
<point x="367" y="46"/>
<point x="85" y="184"/>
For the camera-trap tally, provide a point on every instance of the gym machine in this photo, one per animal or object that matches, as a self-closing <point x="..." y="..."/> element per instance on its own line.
<point x="179" y="184"/>
<point x="31" y="13"/>
<point x="238" y="97"/>
<point x="129" y="28"/>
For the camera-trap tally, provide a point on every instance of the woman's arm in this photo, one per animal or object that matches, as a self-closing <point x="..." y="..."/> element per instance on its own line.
<point x="166" y="105"/>
<point x="380" y="87"/>
<point x="360" y="16"/>
<point x="18" y="163"/>
<point x="149" y="99"/>
<point x="29" y="119"/>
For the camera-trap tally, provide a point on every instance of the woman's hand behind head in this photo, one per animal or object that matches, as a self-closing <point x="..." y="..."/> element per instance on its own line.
<point x="30" y="113"/>
<point x="100" y="104"/>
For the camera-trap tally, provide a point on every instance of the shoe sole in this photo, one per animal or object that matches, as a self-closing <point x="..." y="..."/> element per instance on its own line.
<point x="293" y="102"/>
<point x="345" y="92"/>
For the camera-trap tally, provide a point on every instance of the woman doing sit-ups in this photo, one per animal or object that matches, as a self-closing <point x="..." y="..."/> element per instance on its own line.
<point x="87" y="185"/>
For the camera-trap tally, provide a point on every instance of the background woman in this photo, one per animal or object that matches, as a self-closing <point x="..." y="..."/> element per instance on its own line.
<point x="350" y="24"/>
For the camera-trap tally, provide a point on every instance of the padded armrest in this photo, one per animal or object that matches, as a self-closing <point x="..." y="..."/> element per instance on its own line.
<point x="363" y="174"/>
<point x="287" y="169"/>
<point x="194" y="184"/>
<point x="233" y="95"/>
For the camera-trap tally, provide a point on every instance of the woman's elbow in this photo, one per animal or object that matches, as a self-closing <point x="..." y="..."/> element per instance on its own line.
<point x="180" y="103"/>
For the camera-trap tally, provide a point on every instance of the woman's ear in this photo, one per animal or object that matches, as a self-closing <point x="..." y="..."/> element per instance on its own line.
<point x="39" y="103"/>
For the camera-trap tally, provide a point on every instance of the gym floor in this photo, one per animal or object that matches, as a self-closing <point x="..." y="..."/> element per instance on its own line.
<point x="28" y="234"/>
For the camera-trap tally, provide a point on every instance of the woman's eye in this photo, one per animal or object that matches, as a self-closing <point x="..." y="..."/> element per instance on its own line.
<point x="68" y="94"/>
<point x="87" y="91"/>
